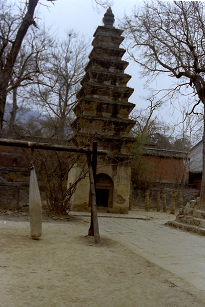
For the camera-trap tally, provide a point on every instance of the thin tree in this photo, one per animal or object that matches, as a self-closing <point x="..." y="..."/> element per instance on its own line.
<point x="26" y="71"/>
<point x="57" y="86"/>
<point x="12" y="34"/>
<point x="169" y="37"/>
<point x="13" y="30"/>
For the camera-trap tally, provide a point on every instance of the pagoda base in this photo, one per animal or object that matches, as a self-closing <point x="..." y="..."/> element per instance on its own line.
<point x="113" y="186"/>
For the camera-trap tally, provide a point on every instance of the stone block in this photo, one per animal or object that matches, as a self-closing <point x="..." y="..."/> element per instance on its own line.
<point x="179" y="218"/>
<point x="9" y="196"/>
<point x="202" y="224"/>
<point x="196" y="222"/>
<point x="197" y="214"/>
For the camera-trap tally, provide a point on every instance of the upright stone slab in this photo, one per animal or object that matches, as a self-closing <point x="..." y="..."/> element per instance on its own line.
<point x="102" y="115"/>
<point x="35" y="209"/>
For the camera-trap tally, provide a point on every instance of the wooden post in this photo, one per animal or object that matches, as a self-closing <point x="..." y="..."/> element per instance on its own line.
<point x="93" y="202"/>
<point x="147" y="200"/>
<point x="164" y="202"/>
<point x="158" y="201"/>
<point x="94" y="160"/>
<point x="46" y="146"/>
<point x="180" y="200"/>
<point x="94" y="166"/>
<point x="172" y="209"/>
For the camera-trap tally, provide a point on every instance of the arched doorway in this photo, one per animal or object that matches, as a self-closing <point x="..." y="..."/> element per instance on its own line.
<point x="104" y="190"/>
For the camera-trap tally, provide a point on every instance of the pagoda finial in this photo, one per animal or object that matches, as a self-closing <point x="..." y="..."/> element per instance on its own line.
<point x="108" y="18"/>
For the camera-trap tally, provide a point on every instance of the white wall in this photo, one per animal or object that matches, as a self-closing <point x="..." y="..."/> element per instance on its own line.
<point x="196" y="158"/>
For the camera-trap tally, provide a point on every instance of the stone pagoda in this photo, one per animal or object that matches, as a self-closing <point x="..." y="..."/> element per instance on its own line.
<point x="102" y="115"/>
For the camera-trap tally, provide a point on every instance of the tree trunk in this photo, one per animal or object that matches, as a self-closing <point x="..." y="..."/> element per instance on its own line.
<point x="13" y="112"/>
<point x="6" y="72"/>
<point x="61" y="126"/>
<point x="2" y="106"/>
<point x="202" y="192"/>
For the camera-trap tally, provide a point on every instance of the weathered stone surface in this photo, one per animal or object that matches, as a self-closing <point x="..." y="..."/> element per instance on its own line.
<point x="103" y="107"/>
<point x="35" y="208"/>
<point x="190" y="218"/>
<point x="9" y="196"/>
<point x="185" y="227"/>
<point x="102" y="115"/>
<point x="108" y="18"/>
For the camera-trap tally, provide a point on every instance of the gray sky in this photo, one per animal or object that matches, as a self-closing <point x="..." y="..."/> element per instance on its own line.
<point x="82" y="16"/>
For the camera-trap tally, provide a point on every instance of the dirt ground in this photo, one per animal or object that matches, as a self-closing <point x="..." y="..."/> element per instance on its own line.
<point x="66" y="268"/>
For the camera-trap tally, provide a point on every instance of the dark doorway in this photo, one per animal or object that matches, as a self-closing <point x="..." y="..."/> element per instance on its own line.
<point x="102" y="196"/>
<point x="104" y="190"/>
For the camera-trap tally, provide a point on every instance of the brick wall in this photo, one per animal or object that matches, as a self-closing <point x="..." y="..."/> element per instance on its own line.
<point x="13" y="157"/>
<point x="9" y="196"/>
<point x="138" y="197"/>
<point x="168" y="169"/>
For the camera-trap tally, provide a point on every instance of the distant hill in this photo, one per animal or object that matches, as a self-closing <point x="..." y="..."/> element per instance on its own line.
<point x="23" y="114"/>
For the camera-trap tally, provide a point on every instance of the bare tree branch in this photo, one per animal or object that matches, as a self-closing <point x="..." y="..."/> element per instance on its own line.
<point x="169" y="37"/>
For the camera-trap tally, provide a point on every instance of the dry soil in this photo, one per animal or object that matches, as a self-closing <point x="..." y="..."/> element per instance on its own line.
<point x="66" y="268"/>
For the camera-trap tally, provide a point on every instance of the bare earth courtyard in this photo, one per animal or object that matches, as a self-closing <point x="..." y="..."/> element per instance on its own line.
<point x="65" y="268"/>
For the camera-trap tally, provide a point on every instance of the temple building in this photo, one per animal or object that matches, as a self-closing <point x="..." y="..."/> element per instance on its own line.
<point x="102" y="115"/>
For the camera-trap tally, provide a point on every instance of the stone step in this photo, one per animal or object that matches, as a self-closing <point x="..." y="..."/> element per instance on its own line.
<point x="190" y="220"/>
<point x="199" y="214"/>
<point x="186" y="227"/>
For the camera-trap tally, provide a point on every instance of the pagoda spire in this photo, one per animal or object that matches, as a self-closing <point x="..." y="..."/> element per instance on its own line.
<point x="108" y="18"/>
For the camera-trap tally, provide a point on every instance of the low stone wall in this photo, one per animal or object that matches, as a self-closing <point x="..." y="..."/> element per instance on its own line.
<point x="11" y="196"/>
<point x="154" y="199"/>
<point x="190" y="218"/>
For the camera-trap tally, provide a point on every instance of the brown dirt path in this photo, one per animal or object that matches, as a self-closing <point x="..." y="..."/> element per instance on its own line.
<point x="65" y="268"/>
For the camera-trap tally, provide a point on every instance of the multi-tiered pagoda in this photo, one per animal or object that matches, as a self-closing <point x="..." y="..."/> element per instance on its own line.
<point x="102" y="115"/>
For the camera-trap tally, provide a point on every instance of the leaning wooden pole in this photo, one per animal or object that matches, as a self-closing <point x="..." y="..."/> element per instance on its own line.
<point x="47" y="146"/>
<point x="94" y="217"/>
<point x="94" y="165"/>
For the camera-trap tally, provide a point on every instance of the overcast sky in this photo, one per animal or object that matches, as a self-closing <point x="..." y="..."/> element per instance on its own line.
<point x="82" y="16"/>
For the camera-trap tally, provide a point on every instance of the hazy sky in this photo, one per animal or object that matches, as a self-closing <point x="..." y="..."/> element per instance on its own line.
<point x="82" y="16"/>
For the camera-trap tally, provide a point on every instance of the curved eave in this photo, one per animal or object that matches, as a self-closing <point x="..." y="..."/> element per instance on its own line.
<point x="107" y="31"/>
<point x="104" y="51"/>
<point x="104" y="101"/>
<point x="91" y="88"/>
<point x="109" y="120"/>
<point x="107" y="137"/>
<point x="105" y="75"/>
<point x="106" y="63"/>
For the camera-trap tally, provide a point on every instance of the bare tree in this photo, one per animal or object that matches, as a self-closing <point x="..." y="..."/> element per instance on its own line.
<point x="146" y="120"/>
<point x="28" y="66"/>
<point x="190" y="126"/>
<point x="53" y="168"/>
<point x="60" y="81"/>
<point x="169" y="37"/>
<point x="12" y="33"/>
<point x="13" y="29"/>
